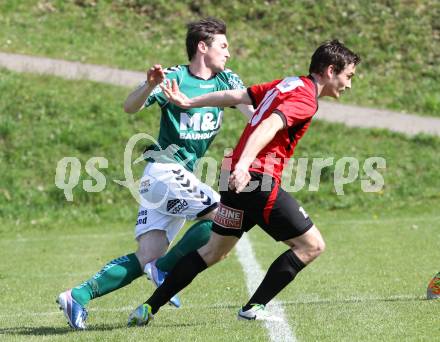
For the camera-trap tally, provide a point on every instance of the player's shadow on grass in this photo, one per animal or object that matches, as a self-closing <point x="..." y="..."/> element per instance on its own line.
<point x="51" y="331"/>
<point x="41" y="331"/>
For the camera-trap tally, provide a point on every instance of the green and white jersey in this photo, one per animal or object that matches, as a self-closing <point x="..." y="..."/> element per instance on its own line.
<point x="191" y="131"/>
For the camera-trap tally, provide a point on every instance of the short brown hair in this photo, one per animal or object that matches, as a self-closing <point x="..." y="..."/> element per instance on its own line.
<point x="332" y="53"/>
<point x="202" y="30"/>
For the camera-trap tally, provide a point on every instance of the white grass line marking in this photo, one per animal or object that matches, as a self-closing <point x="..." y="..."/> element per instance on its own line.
<point x="403" y="220"/>
<point x="278" y="331"/>
<point x="128" y="233"/>
<point x="80" y="236"/>
<point x="127" y="309"/>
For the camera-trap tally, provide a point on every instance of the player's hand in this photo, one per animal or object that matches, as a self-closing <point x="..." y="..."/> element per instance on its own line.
<point x="155" y="75"/>
<point x="172" y="93"/>
<point x="239" y="179"/>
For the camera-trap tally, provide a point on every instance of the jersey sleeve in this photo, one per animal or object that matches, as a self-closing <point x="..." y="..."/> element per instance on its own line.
<point x="228" y="80"/>
<point x="153" y="97"/>
<point x="157" y="94"/>
<point x="258" y="91"/>
<point x="234" y="81"/>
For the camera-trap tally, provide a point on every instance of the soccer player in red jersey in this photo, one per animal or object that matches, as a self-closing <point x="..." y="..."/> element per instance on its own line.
<point x="250" y="181"/>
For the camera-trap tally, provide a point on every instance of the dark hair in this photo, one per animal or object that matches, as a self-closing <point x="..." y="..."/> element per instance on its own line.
<point x="202" y="30"/>
<point x="332" y="53"/>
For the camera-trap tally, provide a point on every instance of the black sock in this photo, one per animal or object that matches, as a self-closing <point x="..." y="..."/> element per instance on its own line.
<point x="181" y="276"/>
<point x="282" y="271"/>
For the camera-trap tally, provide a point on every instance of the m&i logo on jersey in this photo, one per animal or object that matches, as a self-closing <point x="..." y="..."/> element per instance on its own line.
<point x="199" y="126"/>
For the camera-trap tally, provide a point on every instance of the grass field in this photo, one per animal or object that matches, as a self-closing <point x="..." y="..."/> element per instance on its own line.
<point x="368" y="286"/>
<point x="45" y="119"/>
<point x="382" y="248"/>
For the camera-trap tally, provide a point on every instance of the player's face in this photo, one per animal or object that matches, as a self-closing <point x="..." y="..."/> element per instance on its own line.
<point x="217" y="54"/>
<point x="339" y="82"/>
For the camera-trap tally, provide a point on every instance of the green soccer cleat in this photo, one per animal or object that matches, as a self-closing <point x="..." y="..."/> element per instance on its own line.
<point x="140" y="316"/>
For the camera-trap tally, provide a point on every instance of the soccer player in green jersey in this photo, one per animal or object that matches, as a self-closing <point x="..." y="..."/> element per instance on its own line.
<point x="169" y="190"/>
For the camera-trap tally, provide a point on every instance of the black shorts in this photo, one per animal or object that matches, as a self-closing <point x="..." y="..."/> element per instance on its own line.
<point x="268" y="206"/>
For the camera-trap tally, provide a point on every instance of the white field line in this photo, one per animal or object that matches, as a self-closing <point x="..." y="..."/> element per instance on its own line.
<point x="127" y="309"/>
<point x="278" y="331"/>
<point x="68" y="237"/>
<point x="335" y="222"/>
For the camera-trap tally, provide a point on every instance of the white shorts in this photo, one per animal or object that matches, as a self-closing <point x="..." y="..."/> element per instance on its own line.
<point x="170" y="194"/>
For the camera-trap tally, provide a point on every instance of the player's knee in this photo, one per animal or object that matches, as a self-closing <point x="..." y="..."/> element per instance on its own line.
<point x="317" y="247"/>
<point x="151" y="245"/>
<point x="315" y="243"/>
<point x="320" y="246"/>
<point x="311" y="250"/>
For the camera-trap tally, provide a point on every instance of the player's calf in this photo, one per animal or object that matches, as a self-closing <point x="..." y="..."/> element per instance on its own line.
<point x="217" y="248"/>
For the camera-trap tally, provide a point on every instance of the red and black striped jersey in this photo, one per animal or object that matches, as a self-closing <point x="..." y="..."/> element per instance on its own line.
<point x="295" y="100"/>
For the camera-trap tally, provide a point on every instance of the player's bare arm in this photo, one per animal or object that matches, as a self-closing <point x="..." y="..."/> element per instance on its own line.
<point x="224" y="98"/>
<point x="137" y="98"/>
<point x="174" y="95"/>
<point x="259" y="138"/>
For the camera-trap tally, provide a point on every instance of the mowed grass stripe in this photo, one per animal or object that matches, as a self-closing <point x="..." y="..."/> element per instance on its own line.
<point x="395" y="220"/>
<point x="369" y="285"/>
<point x="280" y="304"/>
<point x="372" y="293"/>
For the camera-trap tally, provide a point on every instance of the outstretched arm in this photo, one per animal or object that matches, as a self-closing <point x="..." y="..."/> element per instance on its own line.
<point x="137" y="98"/>
<point x="224" y="98"/>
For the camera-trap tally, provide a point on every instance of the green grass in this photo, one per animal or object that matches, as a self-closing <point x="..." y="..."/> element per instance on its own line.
<point x="45" y="119"/>
<point x="398" y="41"/>
<point x="382" y="248"/>
<point x="369" y="285"/>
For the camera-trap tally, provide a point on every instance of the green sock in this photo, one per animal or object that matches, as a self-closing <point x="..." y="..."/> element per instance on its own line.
<point x="195" y="237"/>
<point x="114" y="275"/>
